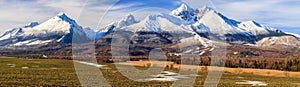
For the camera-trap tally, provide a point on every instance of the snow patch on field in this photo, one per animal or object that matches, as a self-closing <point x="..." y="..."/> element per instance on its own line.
<point x="253" y="83"/>
<point x="11" y="65"/>
<point x="25" y="67"/>
<point x="168" y="76"/>
<point x="90" y="64"/>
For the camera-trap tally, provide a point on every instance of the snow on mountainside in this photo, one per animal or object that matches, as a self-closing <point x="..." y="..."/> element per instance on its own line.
<point x="185" y="12"/>
<point x="282" y="41"/>
<point x="203" y="22"/>
<point x="126" y="21"/>
<point x="55" y="24"/>
<point x="206" y="22"/>
<point x="218" y="24"/>
<point x="56" y="28"/>
<point x="257" y="29"/>
<point x="231" y="30"/>
<point x="11" y="33"/>
<point x="31" y="43"/>
<point x="296" y="35"/>
<point x="32" y="24"/>
<point x="157" y="23"/>
<point x="60" y="23"/>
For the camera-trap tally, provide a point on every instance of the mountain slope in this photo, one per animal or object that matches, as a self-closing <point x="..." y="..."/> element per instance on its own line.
<point x="9" y="34"/>
<point x="59" y="28"/>
<point x="258" y="29"/>
<point x="157" y="23"/>
<point x="185" y="12"/>
<point x="282" y="41"/>
<point x="183" y="22"/>
<point x="296" y="35"/>
<point x="126" y="21"/>
<point x="205" y="22"/>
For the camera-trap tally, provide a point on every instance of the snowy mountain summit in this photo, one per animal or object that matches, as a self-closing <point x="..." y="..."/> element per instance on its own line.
<point x="54" y="29"/>
<point x="205" y="22"/>
<point x="202" y="22"/>
<point x="186" y="13"/>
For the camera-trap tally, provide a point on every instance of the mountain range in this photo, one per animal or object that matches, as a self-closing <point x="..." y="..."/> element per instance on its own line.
<point x="202" y="24"/>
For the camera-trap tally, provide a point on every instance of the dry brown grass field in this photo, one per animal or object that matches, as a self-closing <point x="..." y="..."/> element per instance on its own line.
<point x="262" y="72"/>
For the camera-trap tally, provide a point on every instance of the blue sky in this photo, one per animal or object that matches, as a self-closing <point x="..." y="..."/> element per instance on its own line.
<point x="282" y="14"/>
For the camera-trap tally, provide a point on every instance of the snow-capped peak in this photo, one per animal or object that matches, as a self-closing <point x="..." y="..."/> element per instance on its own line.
<point x="126" y="21"/>
<point x="183" y="7"/>
<point x="186" y="13"/>
<point x="64" y="17"/>
<point x="129" y="17"/>
<point x="53" y="28"/>
<point x="204" y="10"/>
<point x="59" y="23"/>
<point x="61" y="13"/>
<point x="32" y="24"/>
<point x="150" y="23"/>
<point x="158" y="23"/>
<point x="252" y="23"/>
<point x="202" y="21"/>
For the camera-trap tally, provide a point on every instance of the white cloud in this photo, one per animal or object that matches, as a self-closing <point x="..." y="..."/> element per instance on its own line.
<point x="71" y="7"/>
<point x="92" y="13"/>
<point x="16" y="14"/>
<point x="98" y="16"/>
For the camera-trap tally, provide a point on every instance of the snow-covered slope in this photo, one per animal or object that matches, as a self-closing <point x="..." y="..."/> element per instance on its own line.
<point x="258" y="29"/>
<point x="32" y="24"/>
<point x="59" y="28"/>
<point x="126" y="21"/>
<point x="157" y="23"/>
<point x="281" y="41"/>
<point x="185" y="12"/>
<point x="31" y="43"/>
<point x="58" y="24"/>
<point x="11" y="33"/>
<point x="218" y="24"/>
<point x="296" y="35"/>
<point x="203" y="22"/>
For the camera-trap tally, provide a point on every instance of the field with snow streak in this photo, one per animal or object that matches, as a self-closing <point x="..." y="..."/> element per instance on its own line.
<point x="46" y="72"/>
<point x="37" y="72"/>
